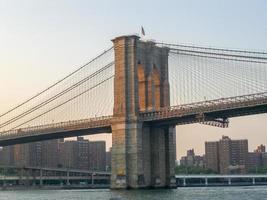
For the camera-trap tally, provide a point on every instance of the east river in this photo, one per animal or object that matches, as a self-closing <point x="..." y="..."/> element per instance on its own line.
<point x="193" y="193"/>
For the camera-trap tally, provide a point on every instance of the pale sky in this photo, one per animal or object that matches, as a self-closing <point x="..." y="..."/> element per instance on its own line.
<point x="41" y="41"/>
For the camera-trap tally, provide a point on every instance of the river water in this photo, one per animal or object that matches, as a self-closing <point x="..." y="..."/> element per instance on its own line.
<point x="197" y="193"/>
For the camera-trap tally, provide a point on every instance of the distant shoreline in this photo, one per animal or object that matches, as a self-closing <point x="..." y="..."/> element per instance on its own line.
<point x="52" y="187"/>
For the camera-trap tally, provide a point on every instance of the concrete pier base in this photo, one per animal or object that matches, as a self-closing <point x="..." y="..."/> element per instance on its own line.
<point x="143" y="157"/>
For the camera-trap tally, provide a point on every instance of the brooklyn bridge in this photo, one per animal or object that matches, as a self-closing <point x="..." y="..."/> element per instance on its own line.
<point x="140" y="90"/>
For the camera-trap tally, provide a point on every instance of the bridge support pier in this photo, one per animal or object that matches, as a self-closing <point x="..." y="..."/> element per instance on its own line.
<point x="143" y="155"/>
<point x="184" y="182"/>
<point x="229" y="181"/>
<point x="206" y="182"/>
<point x="27" y="173"/>
<point x="33" y="177"/>
<point x="21" y="174"/>
<point x="253" y="181"/>
<point x="92" y="179"/>
<point x="68" y="178"/>
<point x="41" y="178"/>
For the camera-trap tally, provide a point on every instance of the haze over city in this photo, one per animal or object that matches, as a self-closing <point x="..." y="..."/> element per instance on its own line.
<point x="42" y="42"/>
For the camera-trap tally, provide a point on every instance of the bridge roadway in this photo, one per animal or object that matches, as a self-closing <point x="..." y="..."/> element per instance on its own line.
<point x="69" y="170"/>
<point x="208" y="110"/>
<point x="56" y="130"/>
<point x="200" y="112"/>
<point x="44" y="175"/>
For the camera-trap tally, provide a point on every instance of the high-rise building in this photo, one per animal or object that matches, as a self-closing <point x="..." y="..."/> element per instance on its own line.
<point x="7" y="155"/>
<point x="239" y="156"/>
<point x="224" y="154"/>
<point x="21" y="155"/>
<point x="199" y="161"/>
<point x="254" y="161"/>
<point x="27" y="154"/>
<point x="108" y="160"/>
<point x="212" y="156"/>
<point x="227" y="156"/>
<point x="260" y="149"/>
<point x="97" y="151"/>
<point x="74" y="154"/>
<point x="192" y="160"/>
<point x="264" y="159"/>
<point x="183" y="161"/>
<point x="35" y="154"/>
<point x="79" y="154"/>
<point x="257" y="158"/>
<point x="83" y="153"/>
<point x="68" y="154"/>
<point x="190" y="157"/>
<point x="50" y="153"/>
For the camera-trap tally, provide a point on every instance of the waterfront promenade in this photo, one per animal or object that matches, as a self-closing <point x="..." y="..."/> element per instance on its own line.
<point x="221" y="180"/>
<point x="60" y="178"/>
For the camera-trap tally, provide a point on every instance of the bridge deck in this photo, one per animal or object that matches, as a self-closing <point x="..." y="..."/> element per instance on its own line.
<point x="208" y="110"/>
<point x="56" y="130"/>
<point x="182" y="114"/>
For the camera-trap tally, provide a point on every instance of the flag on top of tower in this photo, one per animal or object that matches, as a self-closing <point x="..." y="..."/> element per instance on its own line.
<point x="142" y="31"/>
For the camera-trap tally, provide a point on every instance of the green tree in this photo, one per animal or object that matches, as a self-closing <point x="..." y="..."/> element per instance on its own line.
<point x="258" y="170"/>
<point x="192" y="170"/>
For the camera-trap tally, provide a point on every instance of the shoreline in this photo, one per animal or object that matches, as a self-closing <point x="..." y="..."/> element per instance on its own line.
<point x="52" y="187"/>
<point x="73" y="187"/>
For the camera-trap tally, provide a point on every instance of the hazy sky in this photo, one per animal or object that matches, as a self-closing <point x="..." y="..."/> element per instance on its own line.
<point x="42" y="41"/>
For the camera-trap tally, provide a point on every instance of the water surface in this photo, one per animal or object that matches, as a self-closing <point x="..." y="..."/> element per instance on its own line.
<point x="197" y="193"/>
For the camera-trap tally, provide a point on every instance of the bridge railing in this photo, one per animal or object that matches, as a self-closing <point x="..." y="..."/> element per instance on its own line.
<point x="57" y="127"/>
<point x="205" y="106"/>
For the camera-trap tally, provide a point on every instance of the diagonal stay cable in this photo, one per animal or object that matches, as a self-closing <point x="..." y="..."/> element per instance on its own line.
<point x="211" y="48"/>
<point x="55" y="96"/>
<point x="43" y="91"/>
<point x="63" y="103"/>
<point x="220" y="56"/>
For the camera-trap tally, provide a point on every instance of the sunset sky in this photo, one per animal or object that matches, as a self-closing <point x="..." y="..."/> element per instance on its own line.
<point x="42" y="41"/>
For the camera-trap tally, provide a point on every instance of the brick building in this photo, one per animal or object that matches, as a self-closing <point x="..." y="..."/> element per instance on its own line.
<point x="227" y="156"/>
<point x="97" y="159"/>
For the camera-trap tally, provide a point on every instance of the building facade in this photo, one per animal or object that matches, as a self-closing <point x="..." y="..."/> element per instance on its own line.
<point x="75" y="154"/>
<point x="83" y="153"/>
<point x="97" y="161"/>
<point x="257" y="159"/>
<point x="108" y="160"/>
<point x="7" y="155"/>
<point x="191" y="159"/>
<point x="227" y="156"/>
<point x="50" y="153"/>
<point x="212" y="156"/>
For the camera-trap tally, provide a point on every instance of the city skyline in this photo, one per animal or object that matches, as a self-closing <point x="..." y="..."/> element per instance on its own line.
<point x="253" y="149"/>
<point x="58" y="153"/>
<point x="225" y="156"/>
<point x="34" y="50"/>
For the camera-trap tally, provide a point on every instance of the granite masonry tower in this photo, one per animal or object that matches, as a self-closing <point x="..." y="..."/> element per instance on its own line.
<point x="143" y="155"/>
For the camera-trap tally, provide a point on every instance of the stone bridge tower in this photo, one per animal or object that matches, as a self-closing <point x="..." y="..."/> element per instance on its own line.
<point x="143" y="155"/>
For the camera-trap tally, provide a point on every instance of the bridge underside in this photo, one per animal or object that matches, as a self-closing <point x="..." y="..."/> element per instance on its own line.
<point x="210" y="116"/>
<point x="197" y="117"/>
<point x="162" y="122"/>
<point x="54" y="135"/>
